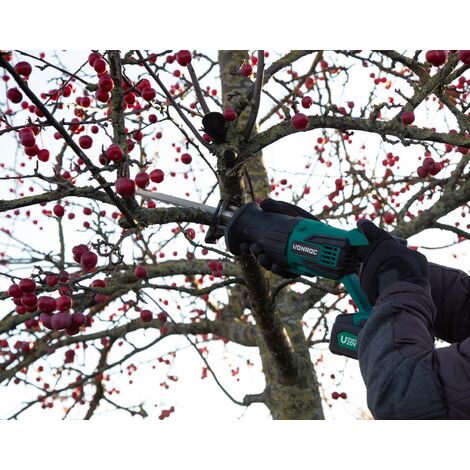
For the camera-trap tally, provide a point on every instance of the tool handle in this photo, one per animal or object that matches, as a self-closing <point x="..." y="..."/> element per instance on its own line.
<point x="250" y="224"/>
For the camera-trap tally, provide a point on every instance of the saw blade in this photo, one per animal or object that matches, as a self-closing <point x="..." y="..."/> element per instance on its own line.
<point x="175" y="201"/>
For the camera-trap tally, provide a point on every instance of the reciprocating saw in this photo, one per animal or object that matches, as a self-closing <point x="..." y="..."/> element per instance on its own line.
<point x="303" y="246"/>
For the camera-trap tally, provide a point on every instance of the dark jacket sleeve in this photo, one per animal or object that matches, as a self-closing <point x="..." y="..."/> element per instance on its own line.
<point x="450" y="290"/>
<point x="405" y="375"/>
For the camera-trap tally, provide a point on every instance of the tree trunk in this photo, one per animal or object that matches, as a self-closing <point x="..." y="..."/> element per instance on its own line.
<point x="298" y="398"/>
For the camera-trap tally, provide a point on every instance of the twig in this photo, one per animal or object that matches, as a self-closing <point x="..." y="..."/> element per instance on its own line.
<point x="256" y="96"/>
<point x="197" y="89"/>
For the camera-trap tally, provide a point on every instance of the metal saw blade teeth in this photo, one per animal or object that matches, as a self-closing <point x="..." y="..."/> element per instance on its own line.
<point x="175" y="201"/>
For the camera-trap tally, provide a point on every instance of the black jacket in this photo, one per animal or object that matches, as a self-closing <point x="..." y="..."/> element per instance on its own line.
<point x="406" y="376"/>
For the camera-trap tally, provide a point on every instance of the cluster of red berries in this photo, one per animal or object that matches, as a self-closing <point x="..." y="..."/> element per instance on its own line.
<point x="336" y="395"/>
<point x="166" y="413"/>
<point x="429" y="167"/>
<point x="147" y="316"/>
<point x="87" y="259"/>
<point x="438" y="58"/>
<point x="125" y="186"/>
<point x="105" y="82"/>
<point x="146" y="91"/>
<point x="217" y="267"/>
<point x="24" y="69"/>
<point x="27" y="137"/>
<point x="26" y="300"/>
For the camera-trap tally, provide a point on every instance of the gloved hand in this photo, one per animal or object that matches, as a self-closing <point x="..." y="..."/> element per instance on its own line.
<point x="387" y="261"/>
<point x="256" y="249"/>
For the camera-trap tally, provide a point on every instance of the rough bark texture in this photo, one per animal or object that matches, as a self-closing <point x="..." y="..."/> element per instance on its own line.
<point x="291" y="392"/>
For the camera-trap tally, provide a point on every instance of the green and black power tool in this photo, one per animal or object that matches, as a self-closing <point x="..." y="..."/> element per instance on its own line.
<point x="300" y="245"/>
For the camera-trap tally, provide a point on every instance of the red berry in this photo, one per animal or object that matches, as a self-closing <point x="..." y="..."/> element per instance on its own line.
<point x="101" y="96"/>
<point x="153" y="118"/>
<point x="464" y="56"/>
<point x="45" y="319"/>
<point x="190" y="233"/>
<point x="99" y="65"/>
<point x="85" y="141"/>
<point x="69" y="356"/>
<point x="52" y="280"/>
<point x="157" y="176"/>
<point x="299" y="122"/>
<point x="309" y="82"/>
<point x="148" y="94"/>
<point x="435" y="169"/>
<point x="29" y="299"/>
<point x="230" y="114"/>
<point x="85" y="102"/>
<point x="46" y="304"/>
<point x="146" y="315"/>
<point x="343" y="395"/>
<point x="67" y="91"/>
<point x="428" y="164"/>
<point x="98" y="283"/>
<point x="186" y="158"/>
<point x="64" y="276"/>
<point x="114" y="153"/>
<point x="43" y="155"/>
<point x="436" y="58"/>
<point x="389" y="218"/>
<point x="27" y="139"/>
<point x="306" y="102"/>
<point x="78" y="251"/>
<point x="422" y="173"/>
<point x="106" y="83"/>
<point x="88" y="260"/>
<point x="92" y="57"/>
<point x="78" y="319"/>
<point x="142" y="179"/>
<point x="61" y="321"/>
<point x="58" y="210"/>
<point x="141" y="272"/>
<point x="162" y="317"/>
<point x="14" y="95"/>
<point x="246" y="69"/>
<point x="31" y="151"/>
<point x="125" y="187"/>
<point x="14" y="291"/>
<point x="23" y="68"/>
<point x="335" y="395"/>
<point x="183" y="58"/>
<point x="144" y="83"/>
<point x="407" y="117"/>
<point x="64" y="302"/>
